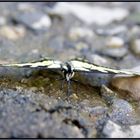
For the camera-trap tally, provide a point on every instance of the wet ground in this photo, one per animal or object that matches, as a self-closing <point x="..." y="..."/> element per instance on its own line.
<point x="32" y="103"/>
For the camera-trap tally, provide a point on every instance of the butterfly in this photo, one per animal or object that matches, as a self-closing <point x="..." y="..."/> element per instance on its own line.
<point x="70" y="67"/>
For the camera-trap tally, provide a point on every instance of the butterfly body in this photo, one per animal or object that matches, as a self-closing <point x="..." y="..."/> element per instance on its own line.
<point x="67" y="70"/>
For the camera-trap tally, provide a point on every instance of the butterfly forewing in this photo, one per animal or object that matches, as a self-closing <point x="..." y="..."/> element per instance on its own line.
<point x="51" y="64"/>
<point x="79" y="65"/>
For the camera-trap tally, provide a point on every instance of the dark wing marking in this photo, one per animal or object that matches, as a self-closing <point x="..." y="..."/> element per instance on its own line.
<point x="47" y="63"/>
<point x="79" y="65"/>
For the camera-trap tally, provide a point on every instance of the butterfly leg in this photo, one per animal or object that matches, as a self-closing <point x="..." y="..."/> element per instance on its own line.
<point x="69" y="88"/>
<point x="62" y="83"/>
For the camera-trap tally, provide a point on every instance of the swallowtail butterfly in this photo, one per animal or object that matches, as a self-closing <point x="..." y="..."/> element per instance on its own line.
<point x="68" y="68"/>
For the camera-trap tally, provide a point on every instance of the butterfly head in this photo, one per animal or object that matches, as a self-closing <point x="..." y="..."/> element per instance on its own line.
<point x="68" y="71"/>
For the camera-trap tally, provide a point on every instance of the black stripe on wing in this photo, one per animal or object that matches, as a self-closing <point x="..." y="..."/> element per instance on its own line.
<point x="84" y="66"/>
<point x="47" y="63"/>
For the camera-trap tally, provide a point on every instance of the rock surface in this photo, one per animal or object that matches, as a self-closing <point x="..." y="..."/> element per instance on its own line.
<point x="130" y="86"/>
<point x="113" y="130"/>
<point x="89" y="15"/>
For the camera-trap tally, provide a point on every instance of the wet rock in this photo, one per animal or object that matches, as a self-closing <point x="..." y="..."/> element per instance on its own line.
<point x="90" y="12"/>
<point x="36" y="21"/>
<point x="135" y="46"/>
<point x="12" y="32"/>
<point x="115" y="42"/>
<point x="113" y="130"/>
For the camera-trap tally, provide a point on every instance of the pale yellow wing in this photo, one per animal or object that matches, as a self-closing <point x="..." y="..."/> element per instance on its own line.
<point x="79" y="65"/>
<point x="47" y="63"/>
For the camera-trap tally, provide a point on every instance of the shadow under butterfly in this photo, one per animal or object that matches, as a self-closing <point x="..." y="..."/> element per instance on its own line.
<point x="69" y="68"/>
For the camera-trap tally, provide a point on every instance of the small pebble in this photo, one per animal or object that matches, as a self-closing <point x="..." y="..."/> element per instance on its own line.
<point x="11" y="32"/>
<point x="135" y="46"/>
<point x="115" y="42"/>
<point x="112" y="31"/>
<point x="80" y="32"/>
<point x="99" y="60"/>
<point x="107" y="94"/>
<point x="116" y="53"/>
<point x="81" y="46"/>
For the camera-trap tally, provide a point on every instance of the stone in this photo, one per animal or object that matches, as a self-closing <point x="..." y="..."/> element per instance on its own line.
<point x="121" y="111"/>
<point x="116" y="53"/>
<point x="113" y="130"/>
<point x="12" y="32"/>
<point x="135" y="46"/>
<point x="89" y="15"/>
<point x="112" y="31"/>
<point x="25" y="7"/>
<point x="36" y="20"/>
<point x="2" y="20"/>
<point x="94" y="79"/>
<point x="80" y="32"/>
<point x="81" y="46"/>
<point x="99" y="60"/>
<point x="98" y="110"/>
<point x="134" y="18"/>
<point x="127" y="86"/>
<point x="107" y="94"/>
<point x="7" y="49"/>
<point x="115" y="42"/>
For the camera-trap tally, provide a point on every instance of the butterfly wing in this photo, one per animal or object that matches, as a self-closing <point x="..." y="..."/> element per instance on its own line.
<point x="79" y="65"/>
<point x="47" y="63"/>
